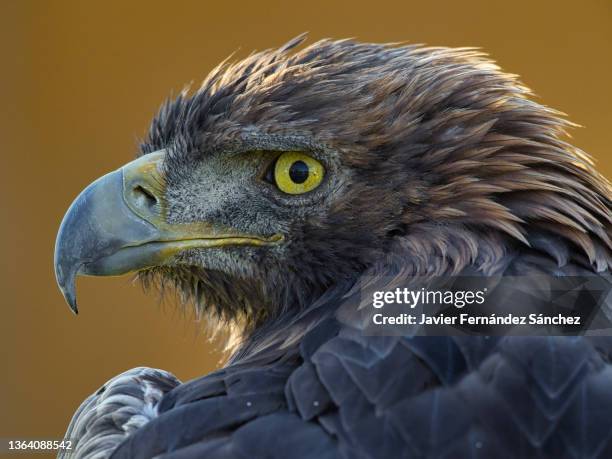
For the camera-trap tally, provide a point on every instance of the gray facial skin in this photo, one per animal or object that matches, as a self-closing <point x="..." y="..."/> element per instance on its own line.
<point x="220" y="214"/>
<point x="121" y="222"/>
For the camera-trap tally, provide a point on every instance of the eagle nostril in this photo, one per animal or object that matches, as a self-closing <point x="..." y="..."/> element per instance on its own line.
<point x="144" y="198"/>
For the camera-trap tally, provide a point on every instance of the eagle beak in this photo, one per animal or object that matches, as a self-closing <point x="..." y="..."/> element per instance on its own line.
<point x="117" y="225"/>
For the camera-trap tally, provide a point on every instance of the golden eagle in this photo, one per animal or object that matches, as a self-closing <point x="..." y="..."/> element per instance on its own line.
<point x="267" y="194"/>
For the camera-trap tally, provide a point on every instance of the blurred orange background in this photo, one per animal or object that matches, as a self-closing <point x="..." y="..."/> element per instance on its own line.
<point x="81" y="80"/>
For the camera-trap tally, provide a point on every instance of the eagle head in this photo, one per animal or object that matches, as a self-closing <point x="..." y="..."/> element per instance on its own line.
<point x="295" y="171"/>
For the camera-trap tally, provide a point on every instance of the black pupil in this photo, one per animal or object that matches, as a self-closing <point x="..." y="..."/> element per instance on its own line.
<point x="298" y="172"/>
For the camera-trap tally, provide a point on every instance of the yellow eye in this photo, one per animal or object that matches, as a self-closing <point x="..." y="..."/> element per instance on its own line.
<point x="297" y="173"/>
